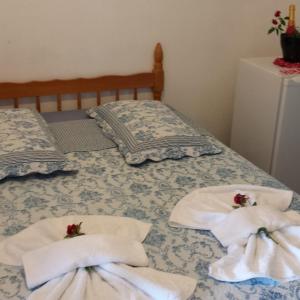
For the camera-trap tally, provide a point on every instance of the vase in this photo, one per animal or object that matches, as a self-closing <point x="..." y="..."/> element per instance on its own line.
<point x="290" y="45"/>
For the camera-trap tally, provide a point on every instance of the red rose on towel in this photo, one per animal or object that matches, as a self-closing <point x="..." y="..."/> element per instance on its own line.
<point x="240" y="199"/>
<point x="73" y="230"/>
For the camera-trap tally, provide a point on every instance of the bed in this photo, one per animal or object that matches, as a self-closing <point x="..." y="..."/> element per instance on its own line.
<point x="105" y="184"/>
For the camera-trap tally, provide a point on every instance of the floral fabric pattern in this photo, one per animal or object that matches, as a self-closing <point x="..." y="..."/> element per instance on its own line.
<point x="150" y="130"/>
<point x="26" y="145"/>
<point x="107" y="185"/>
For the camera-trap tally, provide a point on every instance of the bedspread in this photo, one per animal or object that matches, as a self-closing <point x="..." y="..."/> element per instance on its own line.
<point x="106" y="185"/>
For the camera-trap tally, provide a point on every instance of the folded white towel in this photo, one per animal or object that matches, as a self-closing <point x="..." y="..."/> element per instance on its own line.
<point x="116" y="282"/>
<point x="58" y="264"/>
<point x="47" y="231"/>
<point x="262" y="257"/>
<point x="51" y="261"/>
<point x="249" y="255"/>
<point x="156" y="284"/>
<point x="253" y="255"/>
<point x="239" y="224"/>
<point x="205" y="207"/>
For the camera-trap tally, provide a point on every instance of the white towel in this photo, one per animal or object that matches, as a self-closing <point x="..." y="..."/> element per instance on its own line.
<point x="251" y="255"/>
<point x="116" y="282"/>
<point x="58" y="264"/>
<point x="205" y="207"/>
<point x="240" y="224"/>
<point x="47" y="231"/>
<point x="53" y="260"/>
<point x="157" y="284"/>
<point x="262" y="257"/>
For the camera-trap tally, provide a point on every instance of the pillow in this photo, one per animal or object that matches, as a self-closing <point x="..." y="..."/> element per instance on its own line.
<point x="26" y="145"/>
<point x="80" y="135"/>
<point x="150" y="130"/>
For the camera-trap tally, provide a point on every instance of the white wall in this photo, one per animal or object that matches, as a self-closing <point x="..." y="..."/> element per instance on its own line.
<point x="202" y="41"/>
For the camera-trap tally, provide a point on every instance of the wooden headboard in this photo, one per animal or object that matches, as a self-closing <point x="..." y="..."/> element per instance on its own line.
<point x="153" y="80"/>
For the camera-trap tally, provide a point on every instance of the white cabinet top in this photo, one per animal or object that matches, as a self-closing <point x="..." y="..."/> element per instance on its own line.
<point x="265" y="63"/>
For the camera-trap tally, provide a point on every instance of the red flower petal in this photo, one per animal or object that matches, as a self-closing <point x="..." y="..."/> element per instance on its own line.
<point x="240" y="199"/>
<point x="74" y="228"/>
<point x="274" y="22"/>
<point x="277" y="13"/>
<point x="237" y="199"/>
<point x="69" y="229"/>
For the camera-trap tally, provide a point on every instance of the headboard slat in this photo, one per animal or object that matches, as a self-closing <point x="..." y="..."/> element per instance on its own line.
<point x="58" y="102"/>
<point x="98" y="98"/>
<point x="117" y="95"/>
<point x="135" y="94"/>
<point x="16" y="103"/>
<point x="78" y="101"/>
<point x="38" y="103"/>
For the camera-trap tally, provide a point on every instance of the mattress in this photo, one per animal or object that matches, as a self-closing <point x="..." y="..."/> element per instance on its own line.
<point x="106" y="185"/>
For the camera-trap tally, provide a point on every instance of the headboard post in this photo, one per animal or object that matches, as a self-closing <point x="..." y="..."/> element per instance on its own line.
<point x="158" y="72"/>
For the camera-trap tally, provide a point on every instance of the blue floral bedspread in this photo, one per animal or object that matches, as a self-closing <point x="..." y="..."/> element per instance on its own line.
<point x="105" y="184"/>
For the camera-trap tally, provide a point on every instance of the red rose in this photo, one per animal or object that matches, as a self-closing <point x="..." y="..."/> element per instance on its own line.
<point x="278" y="23"/>
<point x="277" y="13"/>
<point x="240" y="199"/>
<point x="71" y="229"/>
<point x="237" y="199"/>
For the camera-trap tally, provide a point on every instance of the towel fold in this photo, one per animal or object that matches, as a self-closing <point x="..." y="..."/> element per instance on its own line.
<point x="262" y="257"/>
<point x="273" y="253"/>
<point x="51" y="261"/>
<point x="156" y="284"/>
<point x="116" y="282"/>
<point x="251" y="254"/>
<point x="239" y="224"/>
<point x="112" y="251"/>
<point x="205" y="207"/>
<point x="50" y="230"/>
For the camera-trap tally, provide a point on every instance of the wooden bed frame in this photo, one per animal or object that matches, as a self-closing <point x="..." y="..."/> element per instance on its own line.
<point x="153" y="80"/>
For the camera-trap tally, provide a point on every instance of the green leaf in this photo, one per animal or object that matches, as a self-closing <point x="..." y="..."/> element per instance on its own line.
<point x="277" y="31"/>
<point x="286" y="18"/>
<point x="271" y="30"/>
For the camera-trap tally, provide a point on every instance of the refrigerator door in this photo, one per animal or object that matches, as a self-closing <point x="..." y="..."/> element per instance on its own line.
<point x="256" y="105"/>
<point x="286" y="156"/>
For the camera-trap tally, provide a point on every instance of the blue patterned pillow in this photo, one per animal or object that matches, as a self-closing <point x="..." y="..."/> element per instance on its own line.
<point x="26" y="145"/>
<point x="150" y="130"/>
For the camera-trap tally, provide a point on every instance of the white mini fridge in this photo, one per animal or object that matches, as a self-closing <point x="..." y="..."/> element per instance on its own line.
<point x="266" y="119"/>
